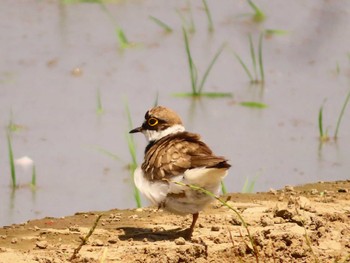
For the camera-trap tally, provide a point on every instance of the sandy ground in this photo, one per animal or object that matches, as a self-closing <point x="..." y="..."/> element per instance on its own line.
<point x="310" y="223"/>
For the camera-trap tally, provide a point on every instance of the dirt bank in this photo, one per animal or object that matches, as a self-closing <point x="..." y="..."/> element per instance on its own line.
<point x="277" y="221"/>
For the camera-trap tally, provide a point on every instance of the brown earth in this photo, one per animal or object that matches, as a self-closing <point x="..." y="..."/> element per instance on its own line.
<point x="310" y="223"/>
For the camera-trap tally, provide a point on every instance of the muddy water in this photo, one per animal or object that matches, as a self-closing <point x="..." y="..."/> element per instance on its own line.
<point x="55" y="57"/>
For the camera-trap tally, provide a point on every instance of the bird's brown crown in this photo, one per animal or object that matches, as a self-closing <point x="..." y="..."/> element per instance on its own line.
<point x="160" y="118"/>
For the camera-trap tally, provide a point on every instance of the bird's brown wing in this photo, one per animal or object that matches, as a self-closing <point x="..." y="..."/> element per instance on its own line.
<point x="174" y="154"/>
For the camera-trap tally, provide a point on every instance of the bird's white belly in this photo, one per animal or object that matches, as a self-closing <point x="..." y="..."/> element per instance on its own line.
<point x="177" y="198"/>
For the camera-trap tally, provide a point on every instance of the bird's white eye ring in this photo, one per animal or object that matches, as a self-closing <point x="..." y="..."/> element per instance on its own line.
<point x="152" y="122"/>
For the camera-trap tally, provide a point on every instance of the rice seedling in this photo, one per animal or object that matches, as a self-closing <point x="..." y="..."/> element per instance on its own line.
<point x="122" y="39"/>
<point x="323" y="134"/>
<point x="187" y="24"/>
<point x="196" y="85"/>
<point x="33" y="182"/>
<point x="248" y="186"/>
<point x="99" y="108"/>
<point x="207" y="11"/>
<point x="132" y="151"/>
<point x="223" y="188"/>
<point x="160" y="23"/>
<point x="12" y="163"/>
<point x="275" y="32"/>
<point x="253" y="104"/>
<point x="224" y="203"/>
<point x="341" y="116"/>
<point x="254" y="79"/>
<point x="259" y="15"/>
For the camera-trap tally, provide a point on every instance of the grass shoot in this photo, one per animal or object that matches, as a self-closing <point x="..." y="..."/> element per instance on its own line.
<point x="249" y="185"/>
<point x="259" y="15"/>
<point x="132" y="151"/>
<point x="275" y="32"/>
<point x="253" y="104"/>
<point x="99" y="108"/>
<point x="160" y="23"/>
<point x="12" y="163"/>
<point x="196" y="85"/>
<point x="223" y="188"/>
<point x="210" y="21"/>
<point x="33" y="182"/>
<point x="341" y="116"/>
<point x="254" y="78"/>
<point x="323" y="134"/>
<point x="122" y="39"/>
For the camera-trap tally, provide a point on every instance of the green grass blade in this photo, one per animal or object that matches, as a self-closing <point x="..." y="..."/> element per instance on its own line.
<point x="223" y="188"/>
<point x="277" y="32"/>
<point x="207" y="11"/>
<point x="12" y="163"/>
<point x="122" y="39"/>
<point x="248" y="186"/>
<point x="341" y="115"/>
<point x="320" y="121"/>
<point x="33" y="183"/>
<point x="253" y="104"/>
<point x="99" y="108"/>
<point x="206" y="73"/>
<point x="259" y="15"/>
<point x="132" y="151"/>
<point x="261" y="65"/>
<point x="244" y="66"/>
<point x="160" y="23"/>
<point x="192" y="68"/>
<point x="252" y="55"/>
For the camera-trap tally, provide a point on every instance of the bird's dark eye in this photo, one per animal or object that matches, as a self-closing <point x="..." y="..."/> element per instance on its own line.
<point x="152" y="122"/>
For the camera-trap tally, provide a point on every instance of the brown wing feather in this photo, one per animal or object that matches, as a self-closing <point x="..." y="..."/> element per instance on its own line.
<point x="174" y="154"/>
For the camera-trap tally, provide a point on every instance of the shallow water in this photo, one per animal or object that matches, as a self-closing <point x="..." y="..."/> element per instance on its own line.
<point x="42" y="42"/>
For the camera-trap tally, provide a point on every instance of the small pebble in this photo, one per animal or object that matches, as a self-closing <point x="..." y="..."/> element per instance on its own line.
<point x="266" y="221"/>
<point x="180" y="241"/>
<point x="289" y="188"/>
<point x="113" y="240"/>
<point x="343" y="190"/>
<point x="74" y="229"/>
<point x="14" y="240"/>
<point x="215" y="228"/>
<point x="41" y="244"/>
<point x="97" y="243"/>
<point x="314" y="191"/>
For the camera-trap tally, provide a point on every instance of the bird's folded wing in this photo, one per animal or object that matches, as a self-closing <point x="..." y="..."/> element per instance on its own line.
<point x="176" y="154"/>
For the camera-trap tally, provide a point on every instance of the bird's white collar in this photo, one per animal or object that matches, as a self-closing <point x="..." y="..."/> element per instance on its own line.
<point x="156" y="135"/>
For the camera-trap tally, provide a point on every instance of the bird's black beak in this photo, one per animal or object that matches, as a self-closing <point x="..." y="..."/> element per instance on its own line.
<point x="138" y="129"/>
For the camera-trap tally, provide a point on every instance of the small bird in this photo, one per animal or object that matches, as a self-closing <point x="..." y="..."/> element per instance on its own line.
<point x="174" y="159"/>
